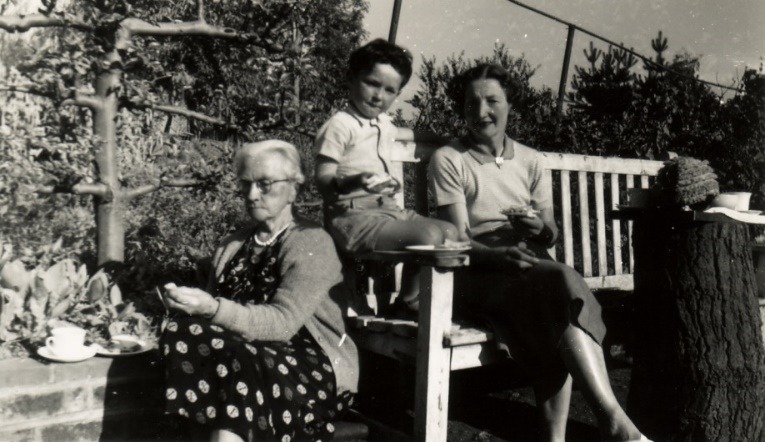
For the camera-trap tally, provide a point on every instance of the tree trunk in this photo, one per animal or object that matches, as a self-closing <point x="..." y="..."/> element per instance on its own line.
<point x="110" y="223"/>
<point x="110" y="209"/>
<point x="699" y="363"/>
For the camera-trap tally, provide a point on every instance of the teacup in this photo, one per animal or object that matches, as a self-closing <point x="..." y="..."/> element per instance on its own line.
<point x="732" y="200"/>
<point x="743" y="201"/>
<point x="727" y="200"/>
<point x="66" y="341"/>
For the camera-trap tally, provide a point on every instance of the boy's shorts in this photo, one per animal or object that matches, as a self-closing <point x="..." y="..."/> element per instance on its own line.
<point x="356" y="223"/>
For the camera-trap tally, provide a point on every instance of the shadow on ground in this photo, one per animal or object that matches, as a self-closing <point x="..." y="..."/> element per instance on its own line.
<point x="493" y="403"/>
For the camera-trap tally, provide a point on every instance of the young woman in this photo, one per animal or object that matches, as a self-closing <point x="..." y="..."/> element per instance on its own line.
<point x="542" y="310"/>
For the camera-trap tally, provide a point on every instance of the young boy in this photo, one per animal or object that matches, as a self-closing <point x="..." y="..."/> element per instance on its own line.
<point x="353" y="159"/>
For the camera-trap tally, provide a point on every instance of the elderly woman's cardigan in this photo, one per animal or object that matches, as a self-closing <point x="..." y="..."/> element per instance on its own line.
<point x="311" y="293"/>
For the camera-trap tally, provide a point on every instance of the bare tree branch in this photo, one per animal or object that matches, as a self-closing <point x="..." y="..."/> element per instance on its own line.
<point x="135" y="26"/>
<point x="97" y="189"/>
<point x="178" y="110"/>
<point x="149" y="188"/>
<point x="22" y="23"/>
<point x="25" y="89"/>
<point x="188" y="113"/>
<point x="201" y="10"/>
<point x="82" y="99"/>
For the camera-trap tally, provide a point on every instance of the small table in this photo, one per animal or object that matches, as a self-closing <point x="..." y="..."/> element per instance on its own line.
<point x="699" y="361"/>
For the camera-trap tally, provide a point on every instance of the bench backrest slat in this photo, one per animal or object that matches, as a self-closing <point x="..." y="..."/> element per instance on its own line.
<point x="592" y="242"/>
<point x="602" y="180"/>
<point x="601" y="223"/>
<point x="584" y="217"/>
<point x="616" y="227"/>
<point x="568" y="229"/>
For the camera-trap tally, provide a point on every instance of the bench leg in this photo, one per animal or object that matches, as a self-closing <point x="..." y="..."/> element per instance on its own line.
<point x="433" y="359"/>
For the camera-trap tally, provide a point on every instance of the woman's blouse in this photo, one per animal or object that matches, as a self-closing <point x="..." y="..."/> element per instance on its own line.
<point x="487" y="185"/>
<point x="252" y="276"/>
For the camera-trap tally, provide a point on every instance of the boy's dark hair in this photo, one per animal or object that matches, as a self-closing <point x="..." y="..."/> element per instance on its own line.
<point x="365" y="58"/>
<point x="459" y="84"/>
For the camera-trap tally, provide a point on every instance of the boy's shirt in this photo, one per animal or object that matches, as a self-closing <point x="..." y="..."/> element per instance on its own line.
<point x="357" y="143"/>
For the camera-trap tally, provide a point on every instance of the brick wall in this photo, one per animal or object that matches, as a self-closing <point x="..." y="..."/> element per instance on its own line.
<point x="98" y="399"/>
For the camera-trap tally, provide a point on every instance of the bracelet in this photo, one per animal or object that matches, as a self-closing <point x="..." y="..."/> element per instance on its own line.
<point x="217" y="307"/>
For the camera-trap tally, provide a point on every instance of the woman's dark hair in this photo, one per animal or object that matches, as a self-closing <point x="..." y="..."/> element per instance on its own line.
<point x="485" y="71"/>
<point x="364" y="59"/>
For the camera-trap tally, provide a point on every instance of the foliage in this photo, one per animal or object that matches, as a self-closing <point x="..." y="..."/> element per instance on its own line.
<point x="291" y="81"/>
<point x="32" y="221"/>
<point x="281" y="81"/>
<point x="617" y="110"/>
<point x="624" y="113"/>
<point x="276" y="70"/>
<point x="34" y="300"/>
<point x="743" y="155"/>
<point x="171" y="234"/>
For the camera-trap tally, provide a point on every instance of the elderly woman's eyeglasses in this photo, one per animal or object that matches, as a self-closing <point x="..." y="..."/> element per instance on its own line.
<point x="264" y="186"/>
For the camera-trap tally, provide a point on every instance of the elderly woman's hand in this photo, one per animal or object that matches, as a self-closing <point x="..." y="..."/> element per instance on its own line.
<point x="191" y="301"/>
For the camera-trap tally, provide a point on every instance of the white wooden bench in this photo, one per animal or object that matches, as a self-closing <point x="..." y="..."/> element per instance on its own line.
<point x="585" y="190"/>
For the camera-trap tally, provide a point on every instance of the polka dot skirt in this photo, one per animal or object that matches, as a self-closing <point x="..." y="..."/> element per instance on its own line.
<point x="259" y="390"/>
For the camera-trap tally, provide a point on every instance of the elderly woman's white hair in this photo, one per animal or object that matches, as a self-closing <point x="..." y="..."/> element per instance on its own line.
<point x="251" y="151"/>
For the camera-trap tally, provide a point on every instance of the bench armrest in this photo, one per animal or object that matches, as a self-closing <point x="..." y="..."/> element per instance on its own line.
<point x="437" y="261"/>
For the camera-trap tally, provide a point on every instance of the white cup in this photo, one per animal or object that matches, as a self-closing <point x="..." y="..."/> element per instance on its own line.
<point x="66" y="341"/>
<point x="743" y="201"/>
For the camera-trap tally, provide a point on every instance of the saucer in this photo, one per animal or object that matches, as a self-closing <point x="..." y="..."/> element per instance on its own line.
<point x="438" y="250"/>
<point x="86" y="352"/>
<point x="123" y="345"/>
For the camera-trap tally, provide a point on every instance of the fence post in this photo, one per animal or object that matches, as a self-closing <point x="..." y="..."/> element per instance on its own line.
<point x="564" y="78"/>
<point x="394" y="21"/>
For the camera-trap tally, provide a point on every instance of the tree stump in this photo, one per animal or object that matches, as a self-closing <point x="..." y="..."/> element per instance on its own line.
<point x="699" y="363"/>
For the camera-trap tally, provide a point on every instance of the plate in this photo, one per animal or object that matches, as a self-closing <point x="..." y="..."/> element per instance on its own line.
<point x="123" y="345"/>
<point x="752" y="212"/>
<point x="525" y="211"/>
<point x="87" y="352"/>
<point x="438" y="250"/>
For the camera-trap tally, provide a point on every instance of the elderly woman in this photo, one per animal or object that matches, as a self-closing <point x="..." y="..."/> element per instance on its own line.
<point x="262" y="354"/>
<point x="541" y="310"/>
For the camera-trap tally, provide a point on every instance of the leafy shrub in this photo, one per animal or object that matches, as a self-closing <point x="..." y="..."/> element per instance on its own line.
<point x="613" y="110"/>
<point x="34" y="300"/>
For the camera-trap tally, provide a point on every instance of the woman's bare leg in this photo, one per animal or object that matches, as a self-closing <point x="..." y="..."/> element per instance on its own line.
<point x="585" y="361"/>
<point x="553" y="395"/>
<point x="224" y="436"/>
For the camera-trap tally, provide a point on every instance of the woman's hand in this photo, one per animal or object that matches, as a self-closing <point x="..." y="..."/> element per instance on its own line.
<point x="519" y="256"/>
<point x="529" y="226"/>
<point x="190" y="300"/>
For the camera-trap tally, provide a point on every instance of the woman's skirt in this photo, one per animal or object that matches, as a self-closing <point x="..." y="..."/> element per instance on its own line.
<point x="529" y="310"/>
<point x="259" y="390"/>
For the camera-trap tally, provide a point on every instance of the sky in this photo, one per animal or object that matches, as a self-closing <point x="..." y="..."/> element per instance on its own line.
<point x="729" y="36"/>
